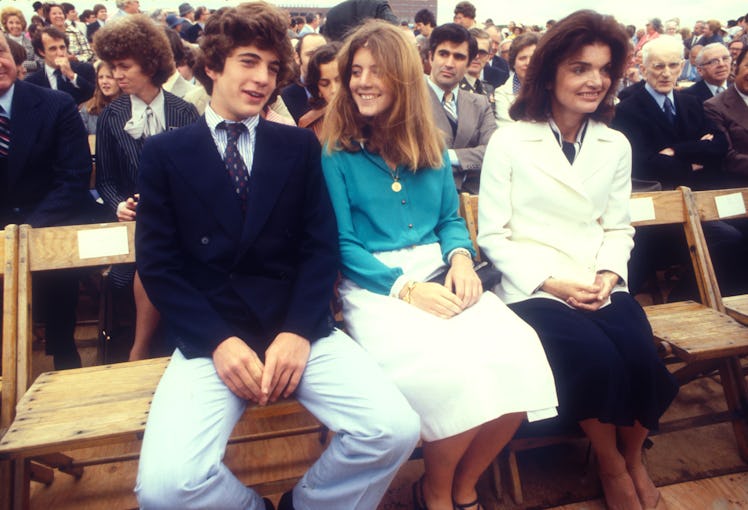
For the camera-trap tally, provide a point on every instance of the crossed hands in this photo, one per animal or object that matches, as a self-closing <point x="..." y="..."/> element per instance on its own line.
<point x="668" y="151"/>
<point x="581" y="295"/>
<point x="462" y="288"/>
<point x="247" y="377"/>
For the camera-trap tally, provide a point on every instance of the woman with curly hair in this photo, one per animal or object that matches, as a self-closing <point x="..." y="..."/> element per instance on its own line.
<point x="140" y="56"/>
<point x="106" y="91"/>
<point x="14" y="25"/>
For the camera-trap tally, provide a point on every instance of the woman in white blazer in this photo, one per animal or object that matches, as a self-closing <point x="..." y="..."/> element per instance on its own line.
<point x="554" y="219"/>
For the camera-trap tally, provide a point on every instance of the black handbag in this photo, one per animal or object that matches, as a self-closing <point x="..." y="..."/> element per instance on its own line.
<point x="488" y="274"/>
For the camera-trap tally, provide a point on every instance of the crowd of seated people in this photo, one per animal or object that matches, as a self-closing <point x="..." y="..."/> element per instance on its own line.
<point x="490" y="105"/>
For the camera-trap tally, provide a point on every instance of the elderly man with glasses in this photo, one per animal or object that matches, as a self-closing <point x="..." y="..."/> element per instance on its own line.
<point x="713" y="64"/>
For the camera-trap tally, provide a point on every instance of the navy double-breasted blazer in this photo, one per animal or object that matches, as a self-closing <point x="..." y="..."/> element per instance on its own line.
<point x="214" y="272"/>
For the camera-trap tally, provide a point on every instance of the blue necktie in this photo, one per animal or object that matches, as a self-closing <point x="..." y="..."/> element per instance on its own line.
<point x="234" y="163"/>
<point x="669" y="111"/>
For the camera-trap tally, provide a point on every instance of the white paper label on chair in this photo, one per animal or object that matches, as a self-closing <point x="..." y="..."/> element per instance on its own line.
<point x="642" y="209"/>
<point x="730" y="205"/>
<point x="102" y="242"/>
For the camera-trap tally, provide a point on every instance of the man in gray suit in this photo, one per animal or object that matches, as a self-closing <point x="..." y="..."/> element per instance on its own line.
<point x="466" y="119"/>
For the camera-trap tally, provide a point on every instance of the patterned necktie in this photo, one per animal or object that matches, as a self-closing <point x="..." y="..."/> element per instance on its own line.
<point x="449" y="106"/>
<point x="669" y="110"/>
<point x="234" y="163"/>
<point x="150" y="127"/>
<point x="4" y="134"/>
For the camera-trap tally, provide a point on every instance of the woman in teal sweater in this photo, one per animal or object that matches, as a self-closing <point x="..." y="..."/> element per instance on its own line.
<point x="457" y="354"/>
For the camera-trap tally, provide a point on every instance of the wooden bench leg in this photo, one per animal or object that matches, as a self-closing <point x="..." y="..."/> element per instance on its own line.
<point x="496" y="475"/>
<point x="736" y="395"/>
<point x="6" y="484"/>
<point x="42" y="474"/>
<point x="515" y="484"/>
<point x="20" y="484"/>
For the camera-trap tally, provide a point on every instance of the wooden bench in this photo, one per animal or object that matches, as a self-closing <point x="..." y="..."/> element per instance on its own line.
<point x="9" y="271"/>
<point x="74" y="409"/>
<point x="701" y="336"/>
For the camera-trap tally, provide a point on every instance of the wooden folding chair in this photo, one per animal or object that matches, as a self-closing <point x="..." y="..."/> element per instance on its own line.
<point x="74" y="409"/>
<point x="720" y="205"/>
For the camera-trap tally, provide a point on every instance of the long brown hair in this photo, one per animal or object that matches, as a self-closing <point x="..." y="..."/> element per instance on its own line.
<point x="562" y="41"/>
<point x="99" y="101"/>
<point x="406" y="134"/>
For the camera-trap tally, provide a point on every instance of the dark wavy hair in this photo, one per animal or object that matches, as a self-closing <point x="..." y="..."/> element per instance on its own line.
<point x="741" y="56"/>
<point x="520" y="43"/>
<point x="323" y="55"/>
<point x="453" y="33"/>
<point x="257" y="23"/>
<point x="137" y="37"/>
<point x="563" y="40"/>
<point x="53" y="33"/>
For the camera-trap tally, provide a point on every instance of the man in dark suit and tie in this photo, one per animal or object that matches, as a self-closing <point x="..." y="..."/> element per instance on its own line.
<point x="75" y="78"/>
<point x="673" y="142"/>
<point x="45" y="166"/>
<point x="100" y="12"/>
<point x="237" y="248"/>
<point x="295" y="95"/>
<point x="713" y="64"/>
<point x="729" y="111"/>
<point x="466" y="119"/>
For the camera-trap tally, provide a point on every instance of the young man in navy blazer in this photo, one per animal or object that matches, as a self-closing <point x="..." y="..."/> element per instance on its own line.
<point x="237" y="248"/>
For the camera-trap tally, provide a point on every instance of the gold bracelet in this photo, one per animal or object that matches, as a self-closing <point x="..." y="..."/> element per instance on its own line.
<point x="407" y="297"/>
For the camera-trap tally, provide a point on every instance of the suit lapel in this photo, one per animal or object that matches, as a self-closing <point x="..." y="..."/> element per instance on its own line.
<point x="270" y="170"/>
<point x="466" y="113"/>
<point x="203" y="169"/>
<point x="653" y="112"/>
<point x="25" y="124"/>
<point x="736" y="108"/>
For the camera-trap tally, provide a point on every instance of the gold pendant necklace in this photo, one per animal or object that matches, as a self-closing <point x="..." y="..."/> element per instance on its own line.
<point x="396" y="186"/>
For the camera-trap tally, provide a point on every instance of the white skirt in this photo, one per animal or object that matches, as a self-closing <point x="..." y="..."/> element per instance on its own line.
<point x="456" y="373"/>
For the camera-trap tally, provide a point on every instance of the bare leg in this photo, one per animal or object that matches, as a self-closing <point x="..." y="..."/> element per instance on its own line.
<point x="440" y="459"/>
<point x="618" y="487"/>
<point x="632" y="441"/>
<point x="488" y="442"/>
<point x="146" y="322"/>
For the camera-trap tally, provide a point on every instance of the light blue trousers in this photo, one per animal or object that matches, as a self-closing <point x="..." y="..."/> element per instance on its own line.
<point x="193" y="414"/>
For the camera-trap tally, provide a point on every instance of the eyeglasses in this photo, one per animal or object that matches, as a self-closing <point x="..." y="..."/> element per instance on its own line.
<point x="660" y="66"/>
<point x="726" y="59"/>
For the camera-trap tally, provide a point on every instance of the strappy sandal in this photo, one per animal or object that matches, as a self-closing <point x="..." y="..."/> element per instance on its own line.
<point x="419" y="502"/>
<point x="468" y="506"/>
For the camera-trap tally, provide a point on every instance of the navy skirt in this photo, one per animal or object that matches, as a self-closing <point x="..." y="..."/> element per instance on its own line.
<point x="604" y="362"/>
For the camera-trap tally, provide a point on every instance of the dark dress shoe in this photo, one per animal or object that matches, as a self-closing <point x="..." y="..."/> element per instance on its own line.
<point x="268" y="504"/>
<point x="286" y="501"/>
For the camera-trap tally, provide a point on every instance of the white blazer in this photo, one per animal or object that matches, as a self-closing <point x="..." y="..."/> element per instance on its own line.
<point x="539" y="216"/>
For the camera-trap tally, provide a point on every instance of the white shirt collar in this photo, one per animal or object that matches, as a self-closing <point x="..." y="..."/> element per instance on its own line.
<point x="6" y="100"/>
<point x="660" y="98"/>
<point x="713" y="88"/>
<point x="440" y="92"/>
<point x="136" y="125"/>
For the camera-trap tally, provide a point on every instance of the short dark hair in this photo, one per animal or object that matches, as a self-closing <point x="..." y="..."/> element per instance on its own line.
<point x="200" y="11"/>
<point x="257" y="23"/>
<point x="86" y="14"/>
<point x="322" y="55"/>
<point x="426" y="17"/>
<point x="453" y="33"/>
<point x="67" y="7"/>
<point x="309" y="17"/>
<point x="37" y="5"/>
<point x="52" y="32"/>
<point x="466" y="9"/>
<point x="563" y="40"/>
<point x="520" y="43"/>
<point x="98" y="7"/>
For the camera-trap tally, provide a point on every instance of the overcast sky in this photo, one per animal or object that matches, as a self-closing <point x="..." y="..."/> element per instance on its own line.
<point x="630" y="12"/>
<point x="532" y="12"/>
